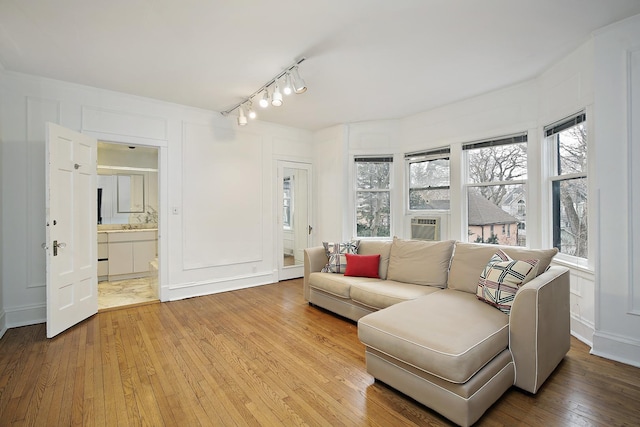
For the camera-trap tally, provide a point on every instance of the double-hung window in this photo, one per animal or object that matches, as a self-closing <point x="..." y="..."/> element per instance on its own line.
<point x="373" y="196"/>
<point x="567" y="141"/>
<point x="428" y="173"/>
<point x="496" y="190"/>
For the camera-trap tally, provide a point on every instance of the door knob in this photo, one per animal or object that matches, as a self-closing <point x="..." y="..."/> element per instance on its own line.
<point x="57" y="245"/>
<point x="310" y="228"/>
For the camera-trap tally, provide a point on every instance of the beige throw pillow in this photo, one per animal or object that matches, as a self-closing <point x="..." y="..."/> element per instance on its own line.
<point x="419" y="262"/>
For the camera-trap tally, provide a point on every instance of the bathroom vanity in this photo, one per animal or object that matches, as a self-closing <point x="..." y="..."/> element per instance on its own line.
<point x="126" y="254"/>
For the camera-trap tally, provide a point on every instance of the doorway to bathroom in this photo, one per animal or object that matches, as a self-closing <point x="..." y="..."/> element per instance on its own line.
<point x="127" y="203"/>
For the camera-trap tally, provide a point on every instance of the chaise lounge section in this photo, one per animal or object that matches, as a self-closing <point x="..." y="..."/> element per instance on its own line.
<point x="429" y="335"/>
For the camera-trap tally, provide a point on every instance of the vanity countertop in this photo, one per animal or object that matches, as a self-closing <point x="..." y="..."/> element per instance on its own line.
<point x="119" y="228"/>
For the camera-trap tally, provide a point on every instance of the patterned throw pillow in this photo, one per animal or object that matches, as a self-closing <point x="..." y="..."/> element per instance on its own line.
<point x="336" y="253"/>
<point x="501" y="279"/>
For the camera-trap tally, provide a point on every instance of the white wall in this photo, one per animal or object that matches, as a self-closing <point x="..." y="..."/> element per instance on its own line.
<point x="216" y="176"/>
<point x="3" y="319"/>
<point x="617" y="130"/>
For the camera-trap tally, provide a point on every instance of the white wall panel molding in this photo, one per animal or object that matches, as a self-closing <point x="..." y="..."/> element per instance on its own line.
<point x="633" y="158"/>
<point x="123" y="123"/>
<point x="207" y="287"/>
<point x="39" y="111"/>
<point x="223" y="225"/>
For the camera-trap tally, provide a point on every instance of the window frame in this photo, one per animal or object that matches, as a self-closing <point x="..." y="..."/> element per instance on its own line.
<point x="443" y="153"/>
<point x="517" y="138"/>
<point x="551" y="134"/>
<point x="356" y="190"/>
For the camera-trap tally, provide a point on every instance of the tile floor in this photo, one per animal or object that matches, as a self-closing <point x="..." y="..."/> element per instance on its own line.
<point x="126" y="292"/>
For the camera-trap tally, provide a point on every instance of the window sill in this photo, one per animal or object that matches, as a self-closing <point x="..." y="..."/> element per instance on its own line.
<point x="581" y="266"/>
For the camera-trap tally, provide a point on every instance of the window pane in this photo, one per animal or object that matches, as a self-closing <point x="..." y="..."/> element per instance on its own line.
<point x="572" y="150"/>
<point x="429" y="199"/>
<point x="497" y="215"/>
<point x="373" y="176"/>
<point x="499" y="163"/>
<point x="430" y="173"/>
<point x="570" y="234"/>
<point x="423" y="177"/>
<point x="373" y="214"/>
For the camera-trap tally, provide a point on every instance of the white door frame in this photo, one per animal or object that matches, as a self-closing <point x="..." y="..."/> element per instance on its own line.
<point x="291" y="272"/>
<point x="163" y="211"/>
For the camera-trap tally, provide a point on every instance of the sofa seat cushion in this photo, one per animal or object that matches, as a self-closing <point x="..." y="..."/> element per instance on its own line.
<point x="449" y="334"/>
<point x="335" y="284"/>
<point x="380" y="294"/>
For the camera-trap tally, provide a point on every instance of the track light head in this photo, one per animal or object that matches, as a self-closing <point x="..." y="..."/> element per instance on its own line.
<point x="276" y="98"/>
<point x="251" y="113"/>
<point x="287" y="89"/>
<point x="242" y="119"/>
<point x="264" y="101"/>
<point x="299" y="86"/>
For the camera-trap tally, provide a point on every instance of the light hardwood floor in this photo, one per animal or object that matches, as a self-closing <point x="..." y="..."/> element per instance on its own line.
<point x="259" y="356"/>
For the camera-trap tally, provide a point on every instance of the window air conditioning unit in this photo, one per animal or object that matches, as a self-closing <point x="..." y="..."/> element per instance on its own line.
<point x="425" y="229"/>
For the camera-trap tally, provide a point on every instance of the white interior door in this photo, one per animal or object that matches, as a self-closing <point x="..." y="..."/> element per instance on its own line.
<point x="294" y="226"/>
<point x="71" y="228"/>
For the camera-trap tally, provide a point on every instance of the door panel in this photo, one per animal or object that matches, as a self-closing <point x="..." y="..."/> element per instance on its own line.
<point x="71" y="228"/>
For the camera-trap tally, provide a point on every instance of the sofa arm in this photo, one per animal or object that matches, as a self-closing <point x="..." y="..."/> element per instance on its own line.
<point x="314" y="260"/>
<point x="539" y="327"/>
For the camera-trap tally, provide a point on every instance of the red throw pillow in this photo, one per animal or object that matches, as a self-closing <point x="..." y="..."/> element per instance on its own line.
<point x="363" y="265"/>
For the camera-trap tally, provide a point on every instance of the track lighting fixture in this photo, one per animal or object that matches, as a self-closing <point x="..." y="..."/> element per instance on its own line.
<point x="242" y="119"/>
<point x="287" y="90"/>
<point x="299" y="86"/>
<point x="292" y="83"/>
<point x="264" y="101"/>
<point x="276" y="98"/>
<point x="252" y="113"/>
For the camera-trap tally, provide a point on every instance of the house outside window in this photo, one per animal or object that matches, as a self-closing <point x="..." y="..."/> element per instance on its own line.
<point x="495" y="188"/>
<point x="567" y="141"/>
<point x="429" y="179"/>
<point x="373" y="196"/>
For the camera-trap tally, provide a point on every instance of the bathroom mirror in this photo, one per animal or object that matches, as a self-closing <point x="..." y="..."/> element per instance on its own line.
<point x="130" y="189"/>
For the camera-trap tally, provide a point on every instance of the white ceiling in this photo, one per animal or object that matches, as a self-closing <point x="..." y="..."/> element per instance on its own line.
<point x="366" y="59"/>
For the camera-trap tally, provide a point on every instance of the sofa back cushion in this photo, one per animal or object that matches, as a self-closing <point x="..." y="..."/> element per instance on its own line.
<point x="373" y="247"/>
<point x="421" y="263"/>
<point x="469" y="259"/>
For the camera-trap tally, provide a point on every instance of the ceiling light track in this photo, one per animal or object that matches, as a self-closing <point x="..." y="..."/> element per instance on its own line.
<point x="292" y="83"/>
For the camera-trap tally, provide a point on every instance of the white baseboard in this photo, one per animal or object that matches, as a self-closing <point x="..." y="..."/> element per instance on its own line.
<point x="618" y="348"/>
<point x="25" y="315"/>
<point x="208" y="287"/>
<point x="3" y="323"/>
<point x="582" y="330"/>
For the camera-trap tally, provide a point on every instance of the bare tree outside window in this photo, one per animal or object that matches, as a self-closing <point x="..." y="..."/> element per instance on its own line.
<point x="569" y="190"/>
<point x="497" y="174"/>
<point x="429" y="184"/>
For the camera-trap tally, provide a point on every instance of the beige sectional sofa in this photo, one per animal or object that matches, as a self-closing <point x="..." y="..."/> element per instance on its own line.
<point x="428" y="335"/>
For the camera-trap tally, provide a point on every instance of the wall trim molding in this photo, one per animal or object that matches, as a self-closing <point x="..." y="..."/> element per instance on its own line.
<point x="3" y="323"/>
<point x="616" y="347"/>
<point x="214" y="286"/>
<point x="25" y="315"/>
<point x="582" y="329"/>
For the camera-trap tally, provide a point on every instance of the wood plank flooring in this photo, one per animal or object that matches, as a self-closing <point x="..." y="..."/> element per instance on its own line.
<point x="259" y="356"/>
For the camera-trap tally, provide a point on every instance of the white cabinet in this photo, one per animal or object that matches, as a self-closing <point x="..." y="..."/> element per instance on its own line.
<point x="130" y="252"/>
